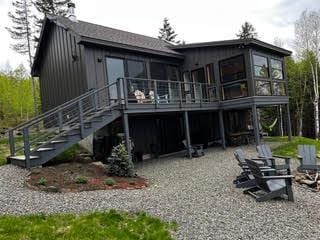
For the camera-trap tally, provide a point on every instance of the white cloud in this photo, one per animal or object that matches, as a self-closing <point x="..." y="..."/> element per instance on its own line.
<point x="194" y="21"/>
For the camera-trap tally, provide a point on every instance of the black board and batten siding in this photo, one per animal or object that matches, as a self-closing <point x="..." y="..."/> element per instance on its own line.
<point x="62" y="75"/>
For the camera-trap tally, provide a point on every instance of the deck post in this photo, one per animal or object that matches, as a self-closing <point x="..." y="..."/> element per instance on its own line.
<point x="289" y="123"/>
<point x="221" y="125"/>
<point x="127" y="133"/>
<point x="255" y="124"/>
<point x="187" y="133"/>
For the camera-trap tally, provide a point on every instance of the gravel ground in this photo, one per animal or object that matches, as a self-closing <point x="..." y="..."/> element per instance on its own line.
<point x="197" y="193"/>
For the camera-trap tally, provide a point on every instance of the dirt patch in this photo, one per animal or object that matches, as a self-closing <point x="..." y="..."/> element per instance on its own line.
<point x="75" y="177"/>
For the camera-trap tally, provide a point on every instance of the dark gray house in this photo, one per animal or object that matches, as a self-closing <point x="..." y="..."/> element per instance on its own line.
<point x="99" y="81"/>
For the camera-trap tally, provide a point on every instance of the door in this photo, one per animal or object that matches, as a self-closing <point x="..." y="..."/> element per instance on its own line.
<point x="115" y="70"/>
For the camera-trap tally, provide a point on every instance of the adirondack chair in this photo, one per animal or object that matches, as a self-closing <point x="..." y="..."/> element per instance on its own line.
<point x="264" y="151"/>
<point x="246" y="179"/>
<point x="272" y="186"/>
<point x="308" y="158"/>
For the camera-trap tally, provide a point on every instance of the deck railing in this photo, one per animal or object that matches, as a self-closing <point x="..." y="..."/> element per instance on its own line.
<point x="151" y="91"/>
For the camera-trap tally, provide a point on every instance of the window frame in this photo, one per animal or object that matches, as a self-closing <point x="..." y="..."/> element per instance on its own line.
<point x="253" y="65"/>
<point x="282" y="69"/>
<point x="222" y="82"/>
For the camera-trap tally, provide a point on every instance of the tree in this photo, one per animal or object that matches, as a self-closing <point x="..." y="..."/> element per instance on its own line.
<point x="52" y="7"/>
<point x="167" y="33"/>
<point x="247" y="31"/>
<point x="307" y="33"/>
<point x="21" y="32"/>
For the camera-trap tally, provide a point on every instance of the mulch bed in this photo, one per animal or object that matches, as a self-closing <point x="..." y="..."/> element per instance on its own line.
<point x="63" y="178"/>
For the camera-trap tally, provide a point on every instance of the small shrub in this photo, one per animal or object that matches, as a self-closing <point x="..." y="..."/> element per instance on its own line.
<point x="81" y="180"/>
<point x="110" y="181"/>
<point x="121" y="164"/>
<point x="42" y="181"/>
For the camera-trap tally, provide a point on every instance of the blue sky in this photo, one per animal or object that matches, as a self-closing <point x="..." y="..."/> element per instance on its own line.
<point x="194" y="21"/>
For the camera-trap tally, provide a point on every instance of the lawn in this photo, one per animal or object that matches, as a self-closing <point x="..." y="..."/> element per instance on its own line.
<point x="4" y="150"/>
<point x="290" y="148"/>
<point x="99" y="225"/>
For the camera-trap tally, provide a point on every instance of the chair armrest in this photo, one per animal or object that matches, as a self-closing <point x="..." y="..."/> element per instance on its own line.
<point x="278" y="177"/>
<point x="299" y="157"/>
<point x="278" y="156"/>
<point x="268" y="170"/>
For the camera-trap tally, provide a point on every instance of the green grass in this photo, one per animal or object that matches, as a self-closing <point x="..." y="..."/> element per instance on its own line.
<point x="99" y="225"/>
<point x="290" y="148"/>
<point x="4" y="151"/>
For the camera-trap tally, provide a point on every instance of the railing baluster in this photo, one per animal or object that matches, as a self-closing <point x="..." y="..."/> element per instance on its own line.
<point x="125" y="92"/>
<point x="26" y="143"/>
<point x="12" y="143"/>
<point x="81" y="118"/>
<point x="95" y="101"/>
<point x="119" y="90"/>
<point x="60" y="120"/>
<point x="155" y="93"/>
<point x="180" y="93"/>
<point x="200" y="87"/>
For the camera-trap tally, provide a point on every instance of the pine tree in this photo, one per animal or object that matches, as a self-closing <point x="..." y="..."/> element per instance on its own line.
<point x="167" y="33"/>
<point x="52" y="7"/>
<point x="247" y="31"/>
<point x="21" y="30"/>
<point x="22" y="33"/>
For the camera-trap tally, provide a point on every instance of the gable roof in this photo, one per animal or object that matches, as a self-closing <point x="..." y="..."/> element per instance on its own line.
<point x="234" y="42"/>
<point x="90" y="32"/>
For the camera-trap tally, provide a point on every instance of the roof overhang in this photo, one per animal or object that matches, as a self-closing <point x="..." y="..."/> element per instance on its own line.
<point x="235" y="42"/>
<point x="103" y="43"/>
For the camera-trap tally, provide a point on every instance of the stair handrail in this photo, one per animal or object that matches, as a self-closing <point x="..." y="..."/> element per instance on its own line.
<point x="26" y="125"/>
<point x="21" y="125"/>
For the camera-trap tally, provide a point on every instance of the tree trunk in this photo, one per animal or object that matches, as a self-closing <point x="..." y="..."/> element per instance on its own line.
<point x="316" y="118"/>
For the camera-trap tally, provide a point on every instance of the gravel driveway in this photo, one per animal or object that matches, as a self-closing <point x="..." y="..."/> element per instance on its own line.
<point x="197" y="193"/>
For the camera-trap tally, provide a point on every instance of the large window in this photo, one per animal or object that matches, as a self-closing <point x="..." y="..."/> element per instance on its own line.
<point x="115" y="70"/>
<point x="235" y="90"/>
<point x="210" y="73"/>
<point x="136" y="69"/>
<point x="232" y="69"/>
<point x="276" y="69"/>
<point x="278" y="89"/>
<point x="198" y="76"/>
<point x="263" y="88"/>
<point x="260" y="66"/>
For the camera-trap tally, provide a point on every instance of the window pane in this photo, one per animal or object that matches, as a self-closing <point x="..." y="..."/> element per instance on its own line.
<point x="263" y="88"/>
<point x="210" y="73"/>
<point x="279" y="89"/>
<point x="158" y="71"/>
<point x="136" y="69"/>
<point x="232" y="69"/>
<point x="173" y="73"/>
<point x="276" y="69"/>
<point x="260" y="66"/>
<point x="115" y="70"/>
<point x="235" y="90"/>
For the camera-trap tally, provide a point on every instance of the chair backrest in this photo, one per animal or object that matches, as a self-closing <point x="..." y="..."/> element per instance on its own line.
<point x="258" y="175"/>
<point x="240" y="155"/>
<point x="308" y="154"/>
<point x="264" y="151"/>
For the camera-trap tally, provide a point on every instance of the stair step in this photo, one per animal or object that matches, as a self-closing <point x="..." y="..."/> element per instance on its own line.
<point x="23" y="157"/>
<point x="44" y="149"/>
<point x="52" y="142"/>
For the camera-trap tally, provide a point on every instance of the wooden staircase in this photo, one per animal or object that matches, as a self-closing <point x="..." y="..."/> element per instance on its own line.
<point x="53" y="132"/>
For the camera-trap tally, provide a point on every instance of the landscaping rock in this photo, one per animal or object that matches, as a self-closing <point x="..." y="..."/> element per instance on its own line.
<point x="52" y="189"/>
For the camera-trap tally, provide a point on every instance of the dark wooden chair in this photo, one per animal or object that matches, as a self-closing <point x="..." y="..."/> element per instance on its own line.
<point x="269" y="187"/>
<point x="246" y="179"/>
<point x="264" y="151"/>
<point x="308" y="158"/>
